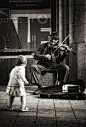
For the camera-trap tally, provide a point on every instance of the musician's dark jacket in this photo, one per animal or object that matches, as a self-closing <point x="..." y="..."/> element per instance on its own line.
<point x="45" y="49"/>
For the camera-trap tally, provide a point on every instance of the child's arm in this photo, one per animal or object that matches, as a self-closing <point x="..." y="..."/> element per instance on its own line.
<point x="8" y="86"/>
<point x="22" y="76"/>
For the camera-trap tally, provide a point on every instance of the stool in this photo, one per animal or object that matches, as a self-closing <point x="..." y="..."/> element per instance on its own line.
<point x="48" y="77"/>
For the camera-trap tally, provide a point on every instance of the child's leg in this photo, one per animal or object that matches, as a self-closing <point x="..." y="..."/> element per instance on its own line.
<point x="11" y="99"/>
<point x="23" y="101"/>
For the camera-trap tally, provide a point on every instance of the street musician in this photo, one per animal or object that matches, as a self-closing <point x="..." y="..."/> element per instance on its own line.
<point x="51" y="56"/>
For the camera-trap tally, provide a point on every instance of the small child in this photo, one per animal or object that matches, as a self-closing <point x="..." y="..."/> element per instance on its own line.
<point x="16" y="83"/>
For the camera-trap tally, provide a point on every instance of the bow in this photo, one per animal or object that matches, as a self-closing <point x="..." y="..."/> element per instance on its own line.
<point x="62" y="44"/>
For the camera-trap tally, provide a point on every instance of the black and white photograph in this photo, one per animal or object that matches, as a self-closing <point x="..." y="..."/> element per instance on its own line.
<point x="42" y="63"/>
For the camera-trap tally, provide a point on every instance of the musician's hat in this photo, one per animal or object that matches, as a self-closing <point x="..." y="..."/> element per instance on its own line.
<point x="54" y="35"/>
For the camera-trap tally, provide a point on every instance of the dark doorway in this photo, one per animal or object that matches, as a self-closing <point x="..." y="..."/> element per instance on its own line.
<point x="39" y="31"/>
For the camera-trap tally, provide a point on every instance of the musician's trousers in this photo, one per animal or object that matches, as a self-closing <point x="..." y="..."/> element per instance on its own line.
<point x="61" y="75"/>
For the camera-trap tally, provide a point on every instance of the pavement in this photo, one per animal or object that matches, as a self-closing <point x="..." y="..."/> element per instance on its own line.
<point x="43" y="112"/>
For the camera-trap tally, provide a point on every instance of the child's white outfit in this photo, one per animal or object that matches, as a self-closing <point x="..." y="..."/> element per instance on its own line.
<point x="16" y="82"/>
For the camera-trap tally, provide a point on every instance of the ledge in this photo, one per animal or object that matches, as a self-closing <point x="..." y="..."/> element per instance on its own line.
<point x="10" y="57"/>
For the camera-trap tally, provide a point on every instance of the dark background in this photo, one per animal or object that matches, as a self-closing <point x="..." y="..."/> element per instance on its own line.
<point x="24" y="5"/>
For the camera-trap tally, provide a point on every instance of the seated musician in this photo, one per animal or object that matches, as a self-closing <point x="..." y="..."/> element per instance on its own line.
<point x="51" y="56"/>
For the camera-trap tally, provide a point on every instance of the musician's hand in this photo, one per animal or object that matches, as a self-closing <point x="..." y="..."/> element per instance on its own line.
<point x="69" y="49"/>
<point x="60" y="44"/>
<point x="48" y="56"/>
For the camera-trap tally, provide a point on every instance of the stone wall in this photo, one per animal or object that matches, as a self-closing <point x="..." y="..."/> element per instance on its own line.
<point x="81" y="61"/>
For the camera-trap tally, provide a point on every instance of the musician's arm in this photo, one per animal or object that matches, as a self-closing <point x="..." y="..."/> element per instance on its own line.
<point x="41" y="53"/>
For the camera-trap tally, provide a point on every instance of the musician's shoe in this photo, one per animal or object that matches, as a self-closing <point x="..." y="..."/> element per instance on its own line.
<point x="38" y="91"/>
<point x="62" y="83"/>
<point x="59" y="83"/>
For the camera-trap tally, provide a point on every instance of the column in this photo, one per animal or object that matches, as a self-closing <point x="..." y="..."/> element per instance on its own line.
<point x="66" y="19"/>
<point x="57" y="17"/>
<point x="72" y="57"/>
<point x="60" y="20"/>
<point x="66" y="24"/>
<point x="28" y="34"/>
<point x="53" y="15"/>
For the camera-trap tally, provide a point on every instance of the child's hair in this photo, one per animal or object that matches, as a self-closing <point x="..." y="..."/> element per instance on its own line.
<point x="21" y="60"/>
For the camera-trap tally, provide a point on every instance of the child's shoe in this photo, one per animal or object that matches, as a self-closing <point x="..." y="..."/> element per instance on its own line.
<point x="10" y="107"/>
<point x="25" y="109"/>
